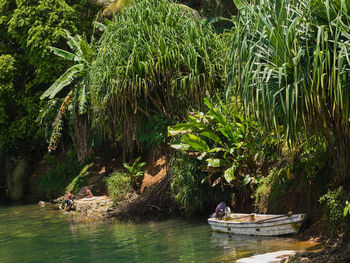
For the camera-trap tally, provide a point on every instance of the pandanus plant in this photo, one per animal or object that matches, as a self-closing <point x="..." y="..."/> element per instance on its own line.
<point x="291" y="68"/>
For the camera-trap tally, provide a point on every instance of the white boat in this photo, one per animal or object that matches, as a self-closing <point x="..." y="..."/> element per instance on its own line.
<point x="258" y="224"/>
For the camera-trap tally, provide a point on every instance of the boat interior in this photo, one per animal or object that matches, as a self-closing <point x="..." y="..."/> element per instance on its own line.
<point x="251" y="217"/>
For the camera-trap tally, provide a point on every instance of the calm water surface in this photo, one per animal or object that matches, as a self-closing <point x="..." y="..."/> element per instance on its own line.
<point x="29" y="233"/>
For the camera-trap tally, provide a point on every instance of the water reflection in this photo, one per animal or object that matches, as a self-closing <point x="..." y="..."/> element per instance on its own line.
<point x="33" y="234"/>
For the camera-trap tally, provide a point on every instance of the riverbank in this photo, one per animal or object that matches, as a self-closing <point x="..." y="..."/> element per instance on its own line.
<point x="336" y="251"/>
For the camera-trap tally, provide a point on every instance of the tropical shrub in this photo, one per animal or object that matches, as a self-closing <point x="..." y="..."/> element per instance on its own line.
<point x="118" y="186"/>
<point x="154" y="131"/>
<point x="155" y="57"/>
<point x="223" y="143"/>
<point x="190" y="188"/>
<point x="290" y="67"/>
<point x="228" y="153"/>
<point x="334" y="201"/>
<point x="134" y="170"/>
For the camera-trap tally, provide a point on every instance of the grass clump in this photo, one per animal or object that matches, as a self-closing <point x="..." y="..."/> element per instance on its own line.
<point x="118" y="186"/>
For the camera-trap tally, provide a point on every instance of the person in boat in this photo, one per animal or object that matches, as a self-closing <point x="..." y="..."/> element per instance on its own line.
<point x="88" y="192"/>
<point x="68" y="200"/>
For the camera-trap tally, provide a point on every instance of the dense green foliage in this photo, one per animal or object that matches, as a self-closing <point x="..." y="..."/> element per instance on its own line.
<point x="57" y="177"/>
<point x="280" y="137"/>
<point x="27" y="30"/>
<point x="222" y="139"/>
<point x="118" y="186"/>
<point x="290" y="66"/>
<point x="334" y="203"/>
<point x="191" y="189"/>
<point x="156" y="57"/>
<point x="134" y="170"/>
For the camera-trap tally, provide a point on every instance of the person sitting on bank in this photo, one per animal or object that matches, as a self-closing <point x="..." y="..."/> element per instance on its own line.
<point x="88" y="192"/>
<point x="68" y="200"/>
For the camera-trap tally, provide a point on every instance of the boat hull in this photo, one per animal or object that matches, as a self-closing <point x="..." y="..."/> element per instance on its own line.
<point x="278" y="225"/>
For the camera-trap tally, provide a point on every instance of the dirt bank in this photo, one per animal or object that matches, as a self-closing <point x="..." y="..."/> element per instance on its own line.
<point x="338" y="251"/>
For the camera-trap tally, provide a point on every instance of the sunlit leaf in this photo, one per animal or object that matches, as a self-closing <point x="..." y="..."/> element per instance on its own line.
<point x="180" y="146"/>
<point x="215" y="162"/>
<point x="195" y="142"/>
<point x="229" y="174"/>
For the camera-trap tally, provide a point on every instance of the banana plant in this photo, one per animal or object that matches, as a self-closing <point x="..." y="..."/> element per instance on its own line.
<point x="82" y="56"/>
<point x="219" y="142"/>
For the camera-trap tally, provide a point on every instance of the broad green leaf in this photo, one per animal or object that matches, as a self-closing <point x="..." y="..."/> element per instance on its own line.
<point x="74" y="43"/>
<point x="247" y="179"/>
<point x="215" y="162"/>
<point x="127" y="166"/>
<point x="229" y="174"/>
<point x="195" y="142"/>
<point x="135" y="163"/>
<point x="207" y="103"/>
<point x="218" y="117"/>
<point x="64" y="54"/>
<point x="63" y="81"/>
<point x="212" y="135"/>
<point x="180" y="128"/>
<point x="217" y="149"/>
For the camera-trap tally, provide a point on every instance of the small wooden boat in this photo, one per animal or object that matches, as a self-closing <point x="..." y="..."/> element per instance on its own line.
<point x="258" y="224"/>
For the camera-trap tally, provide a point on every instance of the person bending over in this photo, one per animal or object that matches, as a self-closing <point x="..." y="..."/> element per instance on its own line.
<point x="68" y="200"/>
<point x="88" y="192"/>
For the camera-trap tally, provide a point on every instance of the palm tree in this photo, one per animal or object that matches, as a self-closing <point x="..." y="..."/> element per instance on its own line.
<point x="82" y="57"/>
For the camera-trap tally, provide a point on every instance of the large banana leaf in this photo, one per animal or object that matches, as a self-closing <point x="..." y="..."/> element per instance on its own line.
<point x="64" y="54"/>
<point x="63" y="81"/>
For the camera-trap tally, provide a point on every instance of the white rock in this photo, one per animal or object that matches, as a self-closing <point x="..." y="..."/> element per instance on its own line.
<point x="273" y="257"/>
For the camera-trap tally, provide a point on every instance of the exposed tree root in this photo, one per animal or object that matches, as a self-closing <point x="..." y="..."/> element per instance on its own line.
<point x="158" y="200"/>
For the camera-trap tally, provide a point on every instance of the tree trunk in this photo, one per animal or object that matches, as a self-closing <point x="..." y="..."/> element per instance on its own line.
<point x="82" y="134"/>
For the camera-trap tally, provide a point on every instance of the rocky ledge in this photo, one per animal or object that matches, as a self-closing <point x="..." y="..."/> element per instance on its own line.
<point x="93" y="209"/>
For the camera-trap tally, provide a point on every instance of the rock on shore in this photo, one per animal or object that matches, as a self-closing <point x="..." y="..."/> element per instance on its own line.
<point x="92" y="209"/>
<point x="273" y="257"/>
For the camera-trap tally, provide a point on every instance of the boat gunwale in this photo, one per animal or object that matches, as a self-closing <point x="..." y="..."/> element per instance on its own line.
<point x="286" y="219"/>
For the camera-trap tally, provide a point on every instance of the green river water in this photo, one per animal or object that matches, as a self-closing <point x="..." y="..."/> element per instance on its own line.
<point x="29" y="233"/>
